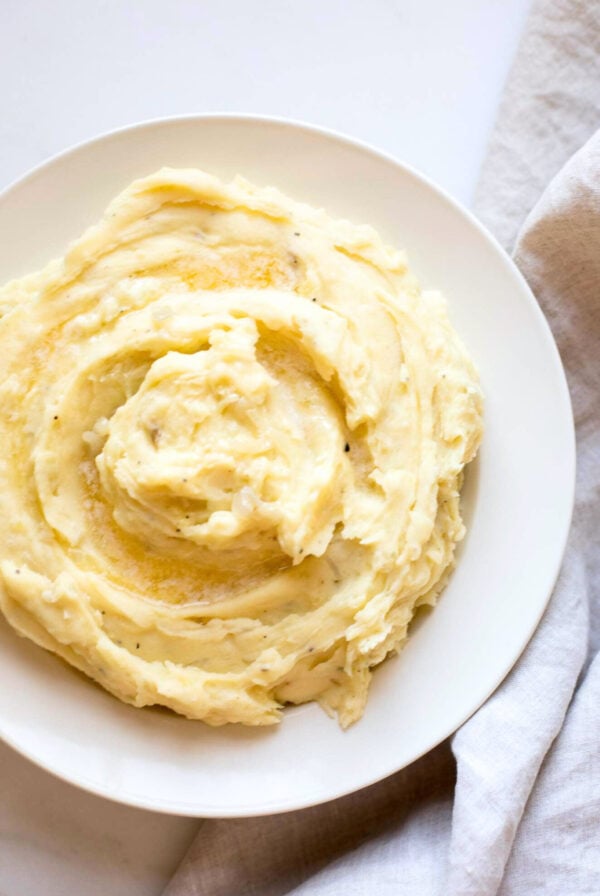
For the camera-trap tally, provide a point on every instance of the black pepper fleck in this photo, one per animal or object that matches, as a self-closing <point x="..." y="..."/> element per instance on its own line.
<point x="314" y="300"/>
<point x="137" y="646"/>
<point x="311" y="649"/>
<point x="55" y="417"/>
<point x="346" y="447"/>
<point x="18" y="572"/>
<point x="296" y="233"/>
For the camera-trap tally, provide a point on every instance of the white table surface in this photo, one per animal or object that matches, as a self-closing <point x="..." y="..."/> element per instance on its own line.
<point x="418" y="78"/>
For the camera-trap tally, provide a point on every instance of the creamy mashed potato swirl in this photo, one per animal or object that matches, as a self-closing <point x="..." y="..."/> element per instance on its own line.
<point x="231" y="446"/>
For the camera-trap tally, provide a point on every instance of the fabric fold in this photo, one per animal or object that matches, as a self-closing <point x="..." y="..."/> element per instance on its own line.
<point x="548" y="110"/>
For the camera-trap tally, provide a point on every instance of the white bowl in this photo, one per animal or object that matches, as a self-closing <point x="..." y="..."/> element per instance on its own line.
<point x="518" y="496"/>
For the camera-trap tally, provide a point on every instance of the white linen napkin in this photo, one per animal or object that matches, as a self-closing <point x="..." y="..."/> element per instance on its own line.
<point x="511" y="806"/>
<point x="549" y="108"/>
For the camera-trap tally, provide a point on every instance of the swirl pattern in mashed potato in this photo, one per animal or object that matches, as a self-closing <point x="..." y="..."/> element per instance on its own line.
<point x="232" y="439"/>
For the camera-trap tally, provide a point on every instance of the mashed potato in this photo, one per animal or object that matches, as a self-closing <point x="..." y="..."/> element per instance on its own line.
<point x="232" y="439"/>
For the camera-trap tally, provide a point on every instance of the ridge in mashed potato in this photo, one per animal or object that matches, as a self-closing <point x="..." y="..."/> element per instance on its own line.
<point x="232" y="438"/>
